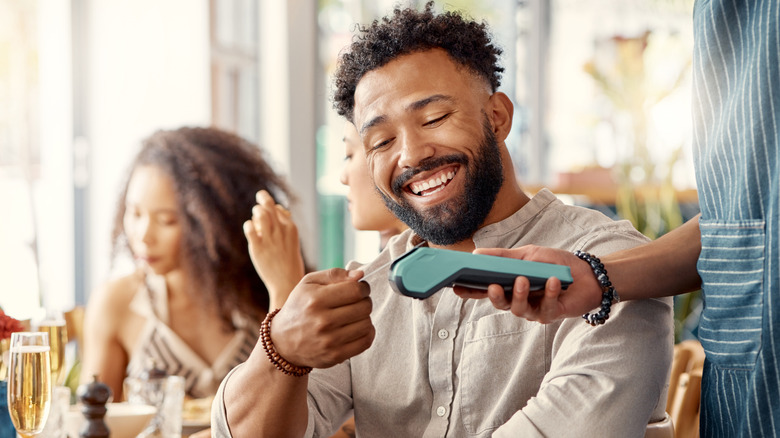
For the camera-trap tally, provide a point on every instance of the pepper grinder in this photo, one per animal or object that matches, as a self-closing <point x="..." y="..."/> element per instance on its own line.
<point x="93" y="397"/>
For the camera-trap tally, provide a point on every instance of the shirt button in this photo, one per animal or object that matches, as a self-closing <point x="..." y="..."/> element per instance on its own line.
<point x="443" y="334"/>
<point x="441" y="410"/>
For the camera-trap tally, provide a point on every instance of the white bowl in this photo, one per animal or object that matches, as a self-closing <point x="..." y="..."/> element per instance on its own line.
<point x="124" y="420"/>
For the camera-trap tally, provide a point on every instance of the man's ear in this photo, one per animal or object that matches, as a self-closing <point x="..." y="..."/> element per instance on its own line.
<point x="501" y="111"/>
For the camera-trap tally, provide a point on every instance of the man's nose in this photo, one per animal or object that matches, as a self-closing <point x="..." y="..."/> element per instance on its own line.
<point x="414" y="149"/>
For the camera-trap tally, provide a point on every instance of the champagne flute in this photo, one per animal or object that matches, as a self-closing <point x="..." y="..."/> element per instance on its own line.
<point x="29" y="382"/>
<point x="54" y="325"/>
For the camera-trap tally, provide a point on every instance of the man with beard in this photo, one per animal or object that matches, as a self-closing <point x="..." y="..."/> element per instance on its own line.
<point x="422" y="88"/>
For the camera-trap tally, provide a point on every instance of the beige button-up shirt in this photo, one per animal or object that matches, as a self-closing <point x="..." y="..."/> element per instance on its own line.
<point x="447" y="367"/>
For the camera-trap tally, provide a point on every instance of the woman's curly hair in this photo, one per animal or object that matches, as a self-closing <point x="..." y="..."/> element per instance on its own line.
<point x="407" y="31"/>
<point x="215" y="176"/>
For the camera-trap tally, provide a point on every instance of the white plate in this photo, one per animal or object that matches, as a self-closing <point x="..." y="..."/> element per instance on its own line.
<point x="124" y="420"/>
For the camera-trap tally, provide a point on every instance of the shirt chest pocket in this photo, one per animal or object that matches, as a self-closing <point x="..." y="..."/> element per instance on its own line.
<point x="731" y="266"/>
<point x="502" y="366"/>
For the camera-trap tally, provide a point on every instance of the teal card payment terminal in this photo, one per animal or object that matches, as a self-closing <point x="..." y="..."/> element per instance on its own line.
<point x="422" y="271"/>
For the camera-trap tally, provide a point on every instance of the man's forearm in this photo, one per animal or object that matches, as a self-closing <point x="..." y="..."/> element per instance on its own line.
<point x="262" y="401"/>
<point x="663" y="267"/>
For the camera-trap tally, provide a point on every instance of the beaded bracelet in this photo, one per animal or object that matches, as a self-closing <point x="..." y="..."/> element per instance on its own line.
<point x="608" y="293"/>
<point x="279" y="362"/>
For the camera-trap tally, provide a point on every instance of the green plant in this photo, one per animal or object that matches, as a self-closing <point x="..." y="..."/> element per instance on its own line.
<point x="645" y="194"/>
<point x="73" y="379"/>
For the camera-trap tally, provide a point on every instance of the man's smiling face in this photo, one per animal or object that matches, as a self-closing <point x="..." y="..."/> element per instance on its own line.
<point x="430" y="144"/>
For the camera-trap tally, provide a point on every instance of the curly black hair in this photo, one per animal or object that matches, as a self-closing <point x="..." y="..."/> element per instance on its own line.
<point x="408" y="31"/>
<point x="215" y="176"/>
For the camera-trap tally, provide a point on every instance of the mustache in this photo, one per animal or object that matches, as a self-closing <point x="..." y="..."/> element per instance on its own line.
<point x="424" y="166"/>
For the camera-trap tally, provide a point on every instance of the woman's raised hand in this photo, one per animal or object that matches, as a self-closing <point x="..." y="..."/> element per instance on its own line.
<point x="274" y="247"/>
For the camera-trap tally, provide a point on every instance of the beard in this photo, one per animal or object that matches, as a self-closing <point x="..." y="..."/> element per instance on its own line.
<point x="459" y="218"/>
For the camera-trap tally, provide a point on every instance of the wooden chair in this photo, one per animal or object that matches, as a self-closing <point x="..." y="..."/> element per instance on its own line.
<point x="688" y="356"/>
<point x="685" y="388"/>
<point x="685" y="409"/>
<point x="74" y="324"/>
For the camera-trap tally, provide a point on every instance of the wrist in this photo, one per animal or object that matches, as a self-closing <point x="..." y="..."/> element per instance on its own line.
<point x="608" y="293"/>
<point x="278" y="295"/>
<point x="277" y="360"/>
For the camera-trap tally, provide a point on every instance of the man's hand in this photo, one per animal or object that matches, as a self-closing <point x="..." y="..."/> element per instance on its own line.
<point x="326" y="320"/>
<point x="583" y="295"/>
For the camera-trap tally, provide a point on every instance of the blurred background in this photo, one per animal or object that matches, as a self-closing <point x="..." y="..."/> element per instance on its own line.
<point x="602" y="115"/>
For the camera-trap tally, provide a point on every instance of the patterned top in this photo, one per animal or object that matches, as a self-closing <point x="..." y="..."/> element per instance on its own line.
<point x="736" y="129"/>
<point x="167" y="351"/>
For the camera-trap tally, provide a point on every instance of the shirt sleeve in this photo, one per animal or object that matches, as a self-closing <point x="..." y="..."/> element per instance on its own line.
<point x="329" y="397"/>
<point x="219" y="424"/>
<point x="601" y="377"/>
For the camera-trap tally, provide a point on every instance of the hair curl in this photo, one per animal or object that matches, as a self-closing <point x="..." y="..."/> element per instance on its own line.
<point x="407" y="31"/>
<point x="215" y="175"/>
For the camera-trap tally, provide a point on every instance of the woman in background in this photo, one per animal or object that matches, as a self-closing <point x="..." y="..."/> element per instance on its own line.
<point x="368" y="213"/>
<point x="194" y="303"/>
<point x="367" y="209"/>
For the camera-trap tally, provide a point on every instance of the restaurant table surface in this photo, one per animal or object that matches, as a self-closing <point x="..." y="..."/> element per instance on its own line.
<point x="187" y="430"/>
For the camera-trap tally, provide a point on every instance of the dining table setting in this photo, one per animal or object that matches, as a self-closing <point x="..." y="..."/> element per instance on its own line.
<point x="35" y="403"/>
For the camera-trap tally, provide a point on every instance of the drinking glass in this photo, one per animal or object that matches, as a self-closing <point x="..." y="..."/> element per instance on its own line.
<point x="60" y="405"/>
<point x="29" y="382"/>
<point x="54" y="325"/>
<point x="164" y="393"/>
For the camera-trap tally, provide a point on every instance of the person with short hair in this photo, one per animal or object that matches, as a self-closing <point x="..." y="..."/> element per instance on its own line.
<point x="367" y="213"/>
<point x="422" y="90"/>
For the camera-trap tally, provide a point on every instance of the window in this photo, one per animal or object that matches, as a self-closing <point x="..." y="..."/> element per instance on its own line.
<point x="235" y="49"/>
<point x="36" y="176"/>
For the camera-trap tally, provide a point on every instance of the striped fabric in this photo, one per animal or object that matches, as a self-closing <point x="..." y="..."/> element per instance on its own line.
<point x="736" y="136"/>
<point x="161" y="346"/>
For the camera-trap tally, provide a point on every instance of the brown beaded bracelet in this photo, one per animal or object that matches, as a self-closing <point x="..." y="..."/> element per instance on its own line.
<point x="279" y="362"/>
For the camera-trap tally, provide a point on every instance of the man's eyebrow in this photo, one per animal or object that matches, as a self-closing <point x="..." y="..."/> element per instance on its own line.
<point x="371" y="123"/>
<point x="414" y="106"/>
<point x="422" y="103"/>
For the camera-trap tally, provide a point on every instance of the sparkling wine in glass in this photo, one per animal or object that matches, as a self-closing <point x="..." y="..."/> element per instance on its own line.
<point x="54" y="325"/>
<point x="29" y="382"/>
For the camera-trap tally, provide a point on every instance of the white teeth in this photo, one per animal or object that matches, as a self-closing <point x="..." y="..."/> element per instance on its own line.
<point x="439" y="182"/>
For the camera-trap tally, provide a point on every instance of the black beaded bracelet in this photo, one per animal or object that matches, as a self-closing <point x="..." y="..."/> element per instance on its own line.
<point x="608" y="293"/>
